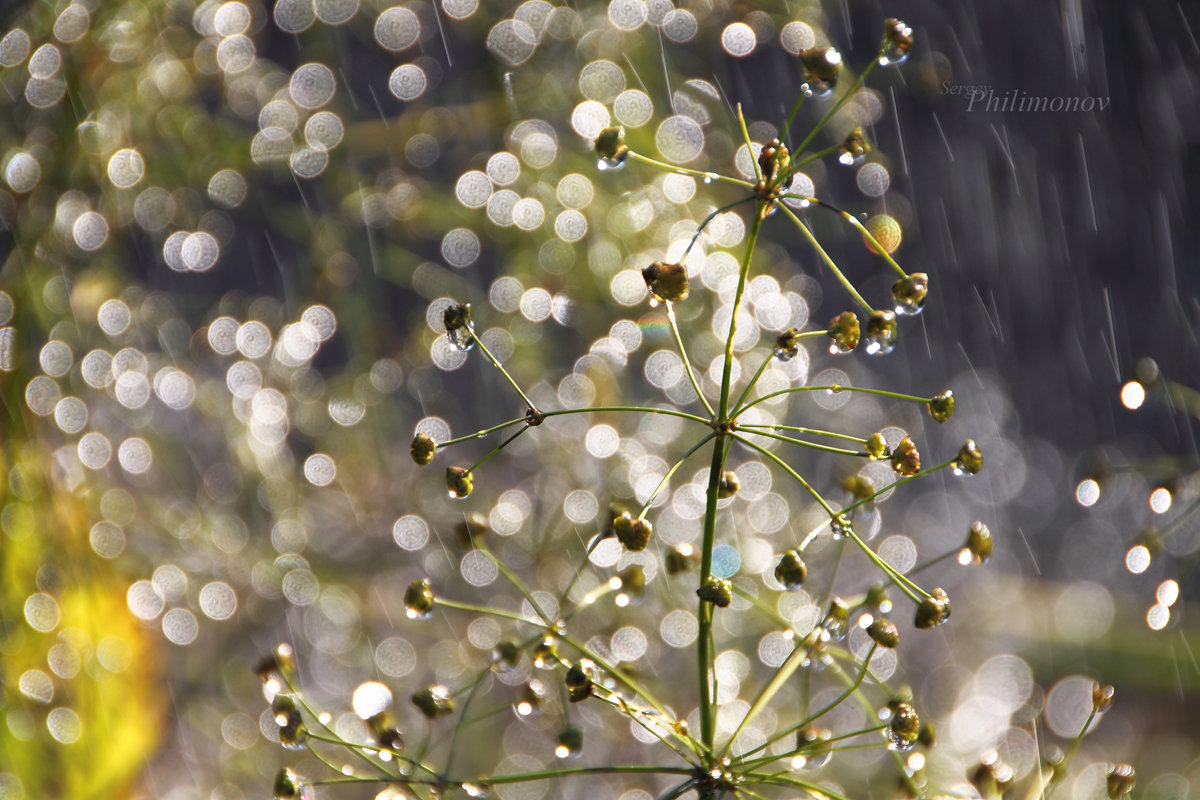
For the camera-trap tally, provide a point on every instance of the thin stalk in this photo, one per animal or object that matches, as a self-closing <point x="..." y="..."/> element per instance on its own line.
<point x="800" y="429"/>
<point x="810" y="719"/>
<point x="755" y="227"/>
<point x="517" y="583"/>
<point x="614" y="769"/>
<point x="619" y="674"/>
<point x="496" y="363"/>
<point x="796" y="475"/>
<point x="488" y="610"/>
<point x="817" y="156"/>
<point x="794" y="661"/>
<point x="846" y="215"/>
<point x="687" y="364"/>
<point x="708" y="177"/>
<point x="837" y="387"/>
<point x="737" y="405"/>
<point x="811" y="445"/>
<point x="829" y="262"/>
<point x="840" y="102"/>
<point x="666" y="478"/>
<point x="496" y="450"/>
<point x="708" y="219"/>
<point x="749" y="145"/>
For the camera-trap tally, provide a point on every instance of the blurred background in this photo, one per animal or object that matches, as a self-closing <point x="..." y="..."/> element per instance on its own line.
<point x="229" y="231"/>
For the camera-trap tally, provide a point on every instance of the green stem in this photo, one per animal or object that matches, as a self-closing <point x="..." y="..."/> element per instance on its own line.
<point x="796" y="475"/>
<point x="512" y="578"/>
<point x="704" y="224"/>
<point x="756" y="226"/>
<point x="811" y="445"/>
<point x="708" y="177"/>
<point x="687" y="364"/>
<point x="495" y="450"/>
<point x="666" y="478"/>
<point x="837" y="272"/>
<point x="840" y="102"/>
<point x="799" y="429"/>
<point x="750" y="386"/>
<point x="704" y="654"/>
<point x="836" y="388"/>
<point x="488" y="610"/>
<point x="496" y="363"/>
<point x="749" y="145"/>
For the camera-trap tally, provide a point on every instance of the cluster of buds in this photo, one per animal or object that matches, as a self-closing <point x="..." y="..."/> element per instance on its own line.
<point x="633" y="533"/>
<point x="791" y="571"/>
<point x="854" y="147"/>
<point x="897" y="40"/>
<point x="460" y="330"/>
<point x="906" y="459"/>
<point x="434" y="701"/>
<point x="581" y="679"/>
<point x="843" y="333"/>
<point x="717" y="591"/>
<point x="775" y="163"/>
<point x="969" y="459"/>
<point x="418" y="599"/>
<point x="905" y="726"/>
<point x="909" y="293"/>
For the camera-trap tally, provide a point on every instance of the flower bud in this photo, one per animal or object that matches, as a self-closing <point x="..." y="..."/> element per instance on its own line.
<point x="631" y="583"/>
<point x="680" y="558"/>
<point x="384" y="731"/>
<point x="877" y="447"/>
<point x="434" y="701"/>
<point x="423" y="449"/>
<point x="906" y="459"/>
<point x="634" y="534"/>
<point x="941" y="406"/>
<point x="1102" y="696"/>
<point x="774" y="160"/>
<point x="881" y="333"/>
<point x="292" y="733"/>
<point x="570" y="743"/>
<point x="666" y="282"/>
<point x="909" y="293"/>
<point x="858" y="486"/>
<point x="418" y="599"/>
<point x="897" y="39"/>
<point x="791" y="571"/>
<point x="933" y="611"/>
<point x="884" y="633"/>
<point x="288" y="785"/>
<point x="969" y="459"/>
<point x="728" y="484"/>
<point x="459" y="328"/>
<point x="843" y="332"/>
<point x="821" y="66"/>
<point x="836" y="619"/>
<point x="459" y="482"/>
<point x="531" y="699"/>
<point x="718" y="591"/>
<point x="904" y="727"/>
<point x="505" y="656"/>
<point x="979" y="544"/>
<point x="854" y="147"/>
<point x="787" y="345"/>
<point x="610" y="146"/>
<point x="581" y="679"/>
<point x="545" y="655"/>
<point x="1121" y="780"/>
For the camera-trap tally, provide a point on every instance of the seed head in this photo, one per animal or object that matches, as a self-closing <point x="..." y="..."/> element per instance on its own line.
<point x="906" y="459"/>
<point x="941" y="406"/>
<point x="904" y="727"/>
<point x="884" y="633"/>
<point x="728" y="484"/>
<point x="844" y="332"/>
<point x="418" y="599"/>
<point x="821" y="67"/>
<point x="979" y="543"/>
<point x="881" y="333"/>
<point x="791" y="571"/>
<point x="434" y="701"/>
<point x="459" y="482"/>
<point x="287" y="784"/>
<point x="666" y="282"/>
<point x="581" y="678"/>
<point x="969" y="459"/>
<point x="933" y="611"/>
<point x="854" y="147"/>
<point x="1121" y="780"/>
<point x="787" y="345"/>
<point x="610" y="145"/>
<point x="423" y="449"/>
<point x="634" y="534"/>
<point x="909" y="293"/>
<point x="384" y="731"/>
